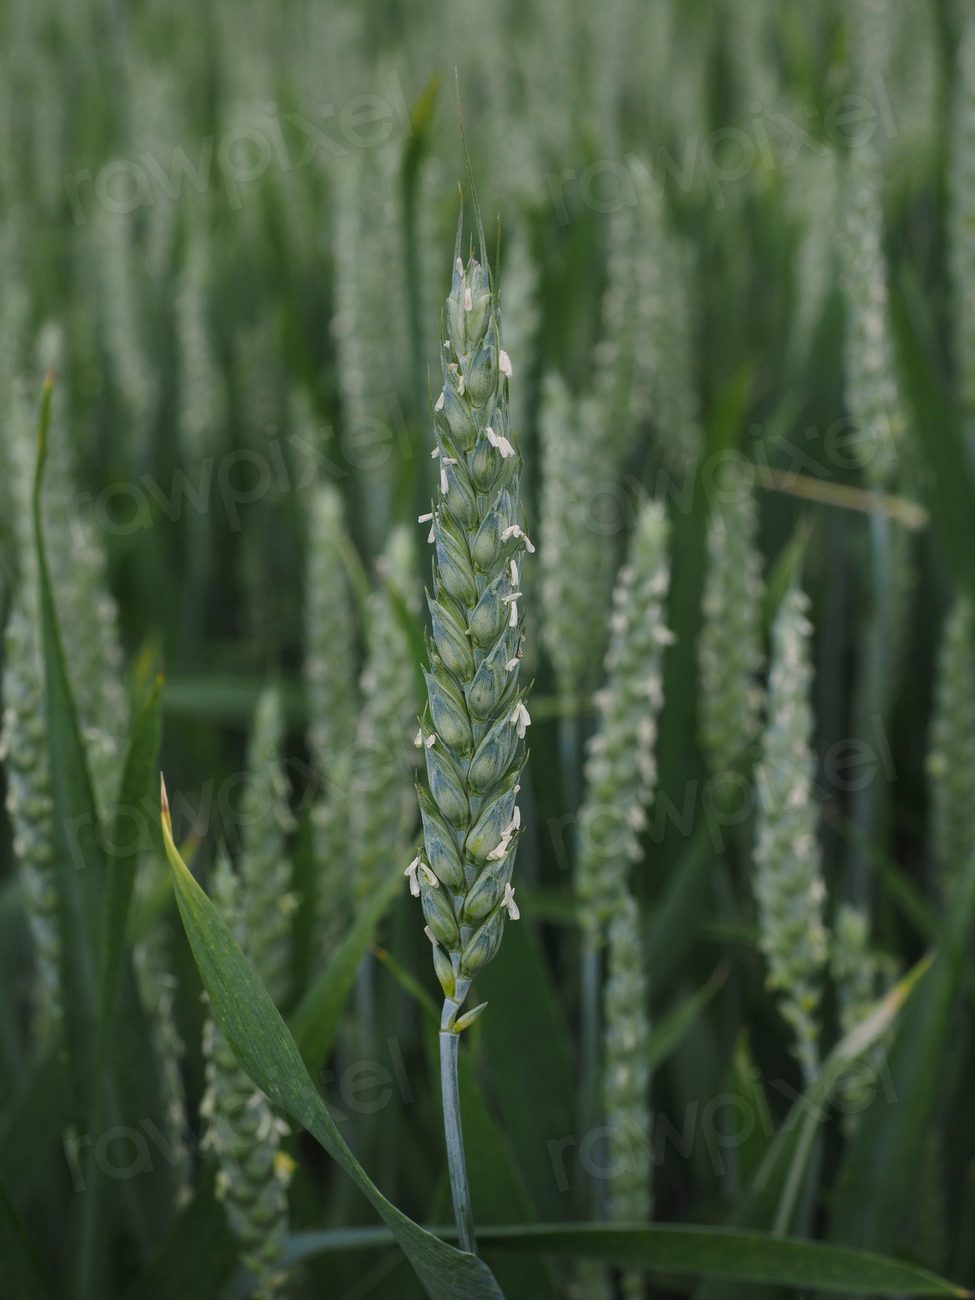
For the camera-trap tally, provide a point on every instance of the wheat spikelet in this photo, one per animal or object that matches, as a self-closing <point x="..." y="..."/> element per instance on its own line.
<point x="576" y="551"/>
<point x="473" y="731"/>
<point x="814" y="197"/>
<point x="951" y="756"/>
<point x="859" y="975"/>
<point x="384" y="805"/>
<point x="30" y="805"/>
<point x="242" y="1130"/>
<point x="872" y="395"/>
<point x="88" y="616"/>
<point x="620" y="766"/>
<point x="331" y="688"/>
<point x="788" y="880"/>
<point x="202" y="397"/>
<point x="266" y="822"/>
<point x="371" y="314"/>
<point x="626" y="1081"/>
<point x="730" y="646"/>
<point x="121" y="318"/>
<point x="665" y="378"/>
<point x="620" y="379"/>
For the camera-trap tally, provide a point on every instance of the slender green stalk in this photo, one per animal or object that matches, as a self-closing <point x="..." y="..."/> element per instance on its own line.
<point x="460" y="1190"/>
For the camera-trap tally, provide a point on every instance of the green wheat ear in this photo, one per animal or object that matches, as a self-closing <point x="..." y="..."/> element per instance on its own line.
<point x="730" y="645"/>
<point x="788" y="875"/>
<point x="241" y="1128"/>
<point x="576" y="556"/>
<point x="30" y="806"/>
<point x="384" y="808"/>
<point x="473" y="729"/>
<point x="332" y="697"/>
<point x="951" y="758"/>
<point x="620" y="766"/>
<point x="626" y="1078"/>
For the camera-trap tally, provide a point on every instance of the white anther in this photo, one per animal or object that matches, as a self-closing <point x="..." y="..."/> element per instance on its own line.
<point x="508" y="901"/>
<point x="516" y="530"/>
<point x="521" y="718"/>
<point x="440" y="401"/>
<point x="504" y="363"/>
<point x="410" y="874"/>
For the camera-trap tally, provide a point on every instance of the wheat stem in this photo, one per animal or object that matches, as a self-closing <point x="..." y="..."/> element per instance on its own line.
<point x="460" y="1190"/>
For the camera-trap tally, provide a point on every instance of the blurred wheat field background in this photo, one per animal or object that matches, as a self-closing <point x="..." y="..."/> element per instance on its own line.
<point x="586" y="606"/>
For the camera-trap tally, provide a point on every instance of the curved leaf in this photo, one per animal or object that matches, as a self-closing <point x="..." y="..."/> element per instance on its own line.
<point x="685" y="1250"/>
<point x="266" y="1050"/>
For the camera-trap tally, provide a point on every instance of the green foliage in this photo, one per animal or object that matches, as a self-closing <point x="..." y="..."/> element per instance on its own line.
<point x="747" y="246"/>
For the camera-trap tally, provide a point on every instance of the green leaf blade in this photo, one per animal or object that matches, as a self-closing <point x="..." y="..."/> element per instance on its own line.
<point x="266" y="1050"/>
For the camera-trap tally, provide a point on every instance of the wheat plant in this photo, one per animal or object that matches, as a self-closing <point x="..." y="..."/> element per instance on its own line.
<point x="476" y="719"/>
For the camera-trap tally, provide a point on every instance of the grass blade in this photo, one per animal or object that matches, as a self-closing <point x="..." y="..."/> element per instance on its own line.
<point x="268" y="1053"/>
<point x="685" y="1250"/>
<point x="766" y="1201"/>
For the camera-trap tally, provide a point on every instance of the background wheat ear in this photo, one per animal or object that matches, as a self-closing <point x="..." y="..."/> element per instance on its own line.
<point x="788" y="874"/>
<point x="331" y="656"/>
<point x="951" y="756"/>
<point x="730" y="644"/>
<point x="241" y="1128"/>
